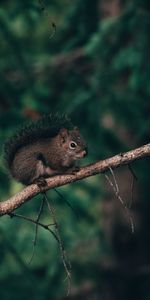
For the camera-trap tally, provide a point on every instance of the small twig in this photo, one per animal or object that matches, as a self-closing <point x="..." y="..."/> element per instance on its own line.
<point x="65" y="260"/>
<point x="132" y="172"/>
<point x="68" y="203"/>
<point x="134" y="178"/>
<point x="12" y="214"/>
<point x="115" y="181"/>
<point x="115" y="188"/>
<point x="45" y="11"/>
<point x="54" y="30"/>
<point x="132" y="191"/>
<point x="36" y="229"/>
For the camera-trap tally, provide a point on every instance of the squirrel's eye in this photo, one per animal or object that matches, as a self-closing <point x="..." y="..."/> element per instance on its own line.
<point x="72" y="145"/>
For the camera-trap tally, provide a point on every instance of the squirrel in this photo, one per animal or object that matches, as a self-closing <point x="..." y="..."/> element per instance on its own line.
<point x="48" y="146"/>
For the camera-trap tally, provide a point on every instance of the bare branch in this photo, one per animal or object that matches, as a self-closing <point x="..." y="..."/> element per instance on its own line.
<point x="45" y="226"/>
<point x="29" y="192"/>
<point x="67" y="202"/>
<point x="36" y="229"/>
<point x="65" y="260"/>
<point x="134" y="178"/>
<point x="115" y="188"/>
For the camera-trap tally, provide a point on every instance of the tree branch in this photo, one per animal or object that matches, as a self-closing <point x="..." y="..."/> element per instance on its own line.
<point x="29" y="192"/>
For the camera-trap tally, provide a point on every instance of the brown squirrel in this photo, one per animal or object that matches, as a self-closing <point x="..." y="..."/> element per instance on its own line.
<point x="46" y="147"/>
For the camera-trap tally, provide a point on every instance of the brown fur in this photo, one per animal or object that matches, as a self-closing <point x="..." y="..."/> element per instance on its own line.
<point x="48" y="156"/>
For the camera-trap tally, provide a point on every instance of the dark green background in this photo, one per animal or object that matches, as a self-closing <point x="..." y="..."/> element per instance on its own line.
<point x="97" y="70"/>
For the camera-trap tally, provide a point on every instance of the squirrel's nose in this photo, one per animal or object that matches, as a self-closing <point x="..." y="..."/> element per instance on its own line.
<point x="85" y="152"/>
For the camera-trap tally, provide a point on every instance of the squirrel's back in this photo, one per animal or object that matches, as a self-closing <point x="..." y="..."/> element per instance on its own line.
<point x="47" y="126"/>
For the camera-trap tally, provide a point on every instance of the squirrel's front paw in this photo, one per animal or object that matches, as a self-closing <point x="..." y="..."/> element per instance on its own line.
<point x="76" y="169"/>
<point x="41" y="182"/>
<point x="73" y="170"/>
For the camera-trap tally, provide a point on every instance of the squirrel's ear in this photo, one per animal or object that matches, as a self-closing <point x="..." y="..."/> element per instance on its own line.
<point x="63" y="134"/>
<point x="76" y="129"/>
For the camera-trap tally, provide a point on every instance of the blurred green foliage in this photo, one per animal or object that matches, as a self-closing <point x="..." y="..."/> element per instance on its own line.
<point x="96" y="70"/>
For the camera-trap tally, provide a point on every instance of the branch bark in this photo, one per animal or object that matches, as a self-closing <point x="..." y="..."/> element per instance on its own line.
<point x="29" y="192"/>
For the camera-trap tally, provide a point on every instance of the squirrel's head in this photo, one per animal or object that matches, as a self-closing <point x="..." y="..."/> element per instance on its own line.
<point x="73" y="143"/>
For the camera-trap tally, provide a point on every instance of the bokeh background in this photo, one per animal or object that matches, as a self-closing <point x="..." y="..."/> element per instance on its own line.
<point x="95" y="68"/>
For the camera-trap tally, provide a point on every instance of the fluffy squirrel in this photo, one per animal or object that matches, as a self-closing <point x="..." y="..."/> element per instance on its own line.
<point x="46" y="147"/>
